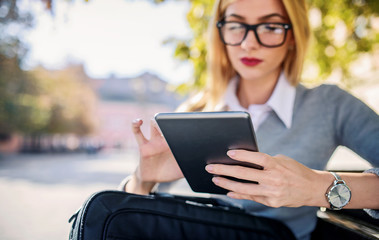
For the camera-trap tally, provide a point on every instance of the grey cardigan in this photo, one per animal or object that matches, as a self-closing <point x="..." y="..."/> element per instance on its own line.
<point x="324" y="118"/>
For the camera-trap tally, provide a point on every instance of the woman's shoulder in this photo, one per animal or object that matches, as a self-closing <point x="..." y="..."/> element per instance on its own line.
<point x="324" y="93"/>
<point x="323" y="90"/>
<point x="330" y="98"/>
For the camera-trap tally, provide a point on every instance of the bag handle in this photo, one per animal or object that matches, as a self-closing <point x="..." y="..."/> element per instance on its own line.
<point x="201" y="201"/>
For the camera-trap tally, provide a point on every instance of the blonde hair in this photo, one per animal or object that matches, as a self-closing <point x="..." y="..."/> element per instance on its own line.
<point x="220" y="69"/>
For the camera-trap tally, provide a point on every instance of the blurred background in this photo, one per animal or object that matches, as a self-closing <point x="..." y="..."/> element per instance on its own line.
<point x="75" y="73"/>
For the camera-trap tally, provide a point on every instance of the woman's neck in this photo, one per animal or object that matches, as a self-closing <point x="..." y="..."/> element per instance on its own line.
<point x="256" y="91"/>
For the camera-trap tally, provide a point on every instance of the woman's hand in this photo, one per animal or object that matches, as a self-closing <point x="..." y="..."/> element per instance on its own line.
<point x="157" y="164"/>
<point x="282" y="182"/>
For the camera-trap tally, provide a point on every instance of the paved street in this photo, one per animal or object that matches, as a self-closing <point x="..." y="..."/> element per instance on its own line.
<point x="39" y="192"/>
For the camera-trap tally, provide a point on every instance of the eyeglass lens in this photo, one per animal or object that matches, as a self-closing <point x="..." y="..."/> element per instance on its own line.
<point x="269" y="34"/>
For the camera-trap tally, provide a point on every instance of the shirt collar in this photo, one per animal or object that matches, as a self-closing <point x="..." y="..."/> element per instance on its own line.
<point x="281" y="100"/>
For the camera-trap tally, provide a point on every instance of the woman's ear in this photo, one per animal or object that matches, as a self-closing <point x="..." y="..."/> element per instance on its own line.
<point x="291" y="43"/>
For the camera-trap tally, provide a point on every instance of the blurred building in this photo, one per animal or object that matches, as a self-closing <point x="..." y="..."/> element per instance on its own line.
<point x="121" y="100"/>
<point x="146" y="88"/>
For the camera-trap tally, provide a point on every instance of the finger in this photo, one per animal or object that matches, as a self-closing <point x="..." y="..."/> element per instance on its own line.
<point x="248" y="191"/>
<point x="235" y="171"/>
<point x="263" y="177"/>
<point x="257" y="158"/>
<point x="136" y="128"/>
<point x="241" y="196"/>
<point x="258" y="199"/>
<point x="239" y="187"/>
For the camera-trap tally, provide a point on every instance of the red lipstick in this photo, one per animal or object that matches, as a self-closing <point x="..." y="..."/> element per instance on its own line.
<point x="251" y="61"/>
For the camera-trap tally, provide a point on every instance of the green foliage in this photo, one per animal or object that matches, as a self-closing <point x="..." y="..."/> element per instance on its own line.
<point x="21" y="108"/>
<point x="195" y="50"/>
<point x="37" y="102"/>
<point x="69" y="100"/>
<point x="345" y="33"/>
<point x="41" y="101"/>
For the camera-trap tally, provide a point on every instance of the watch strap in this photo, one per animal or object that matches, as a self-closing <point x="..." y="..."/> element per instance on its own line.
<point x="337" y="177"/>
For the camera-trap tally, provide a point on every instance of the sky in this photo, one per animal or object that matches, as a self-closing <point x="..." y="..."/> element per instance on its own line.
<point x="120" y="37"/>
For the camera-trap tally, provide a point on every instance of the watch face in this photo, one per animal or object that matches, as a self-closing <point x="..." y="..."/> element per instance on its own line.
<point x="339" y="195"/>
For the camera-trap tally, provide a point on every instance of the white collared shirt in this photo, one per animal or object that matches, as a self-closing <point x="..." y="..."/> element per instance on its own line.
<point x="281" y="102"/>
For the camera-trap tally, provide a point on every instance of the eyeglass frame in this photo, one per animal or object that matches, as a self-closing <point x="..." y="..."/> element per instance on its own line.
<point x="248" y="27"/>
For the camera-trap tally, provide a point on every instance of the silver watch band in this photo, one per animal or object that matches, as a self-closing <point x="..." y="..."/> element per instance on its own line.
<point x="337" y="177"/>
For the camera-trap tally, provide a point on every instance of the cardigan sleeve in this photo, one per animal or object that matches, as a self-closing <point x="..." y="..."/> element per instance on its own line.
<point x="357" y="127"/>
<point x="373" y="213"/>
<point x="122" y="185"/>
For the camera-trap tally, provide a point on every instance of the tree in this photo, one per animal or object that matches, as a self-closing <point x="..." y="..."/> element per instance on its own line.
<point x="344" y="32"/>
<point x="38" y="101"/>
<point x="20" y="108"/>
<point x="71" y="102"/>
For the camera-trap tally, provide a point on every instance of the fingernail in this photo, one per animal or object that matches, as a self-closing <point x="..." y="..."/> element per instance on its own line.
<point x="136" y="120"/>
<point x="231" y="194"/>
<point x="215" y="180"/>
<point x="209" y="168"/>
<point x="231" y="153"/>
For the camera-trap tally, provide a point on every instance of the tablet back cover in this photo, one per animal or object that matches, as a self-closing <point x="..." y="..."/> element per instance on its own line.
<point x="200" y="138"/>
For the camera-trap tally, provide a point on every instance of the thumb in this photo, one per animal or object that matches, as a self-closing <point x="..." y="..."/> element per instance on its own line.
<point x="136" y="128"/>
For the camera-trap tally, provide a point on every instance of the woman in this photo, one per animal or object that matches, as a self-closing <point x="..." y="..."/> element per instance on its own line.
<point x="256" y="53"/>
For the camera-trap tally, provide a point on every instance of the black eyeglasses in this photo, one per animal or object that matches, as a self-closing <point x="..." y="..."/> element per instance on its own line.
<point x="267" y="34"/>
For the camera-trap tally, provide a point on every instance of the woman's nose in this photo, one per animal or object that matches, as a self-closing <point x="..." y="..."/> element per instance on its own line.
<point x="250" y="41"/>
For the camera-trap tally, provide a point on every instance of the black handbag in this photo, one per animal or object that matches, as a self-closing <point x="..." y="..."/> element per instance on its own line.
<point x="116" y="215"/>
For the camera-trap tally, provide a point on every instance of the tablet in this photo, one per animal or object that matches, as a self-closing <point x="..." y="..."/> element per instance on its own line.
<point x="200" y="138"/>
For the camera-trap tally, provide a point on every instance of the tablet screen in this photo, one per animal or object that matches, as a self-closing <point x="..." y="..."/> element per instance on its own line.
<point x="200" y="138"/>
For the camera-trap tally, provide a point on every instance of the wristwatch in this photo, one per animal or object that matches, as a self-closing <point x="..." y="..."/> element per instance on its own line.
<point x="338" y="194"/>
